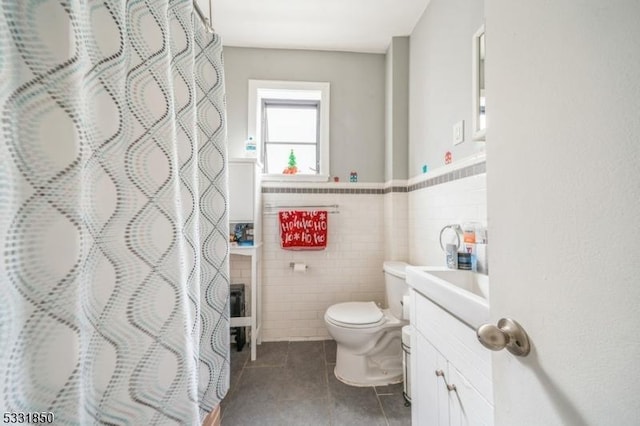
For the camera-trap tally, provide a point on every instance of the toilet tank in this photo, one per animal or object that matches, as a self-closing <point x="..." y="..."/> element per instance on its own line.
<point x="395" y="285"/>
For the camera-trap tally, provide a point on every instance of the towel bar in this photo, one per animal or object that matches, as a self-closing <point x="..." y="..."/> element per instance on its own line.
<point x="280" y="207"/>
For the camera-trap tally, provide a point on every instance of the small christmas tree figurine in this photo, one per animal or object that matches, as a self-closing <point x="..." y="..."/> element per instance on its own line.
<point x="292" y="159"/>
<point x="292" y="169"/>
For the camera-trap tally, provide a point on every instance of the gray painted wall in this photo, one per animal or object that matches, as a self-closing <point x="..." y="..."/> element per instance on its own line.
<point x="357" y="101"/>
<point x="440" y="82"/>
<point x="397" y="109"/>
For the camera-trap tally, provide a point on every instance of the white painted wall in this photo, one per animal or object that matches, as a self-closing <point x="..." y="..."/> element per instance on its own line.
<point x="564" y="203"/>
<point x="440" y="82"/>
<point x="357" y="101"/>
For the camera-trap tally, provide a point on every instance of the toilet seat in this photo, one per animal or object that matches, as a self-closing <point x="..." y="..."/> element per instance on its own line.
<point x="355" y="315"/>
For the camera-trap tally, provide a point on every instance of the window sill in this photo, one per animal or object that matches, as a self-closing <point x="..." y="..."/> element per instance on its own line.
<point x="294" y="178"/>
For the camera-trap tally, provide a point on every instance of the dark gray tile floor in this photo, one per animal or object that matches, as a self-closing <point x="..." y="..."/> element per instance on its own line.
<point x="292" y="383"/>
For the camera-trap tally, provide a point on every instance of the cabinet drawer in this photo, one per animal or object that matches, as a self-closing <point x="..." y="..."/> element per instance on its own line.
<point x="456" y="341"/>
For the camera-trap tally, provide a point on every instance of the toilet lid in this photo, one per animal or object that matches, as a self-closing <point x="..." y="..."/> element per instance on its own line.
<point x="356" y="313"/>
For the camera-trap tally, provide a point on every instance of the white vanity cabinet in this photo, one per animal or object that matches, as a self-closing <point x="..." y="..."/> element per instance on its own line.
<point x="451" y="383"/>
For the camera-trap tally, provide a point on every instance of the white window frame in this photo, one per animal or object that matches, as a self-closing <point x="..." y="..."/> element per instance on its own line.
<point x="290" y="90"/>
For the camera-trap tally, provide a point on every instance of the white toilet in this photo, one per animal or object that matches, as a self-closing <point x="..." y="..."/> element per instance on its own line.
<point x="369" y="339"/>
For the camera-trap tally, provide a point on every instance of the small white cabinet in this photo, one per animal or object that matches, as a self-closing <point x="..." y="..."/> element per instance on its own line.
<point x="243" y="190"/>
<point x="452" y="371"/>
<point x="244" y="207"/>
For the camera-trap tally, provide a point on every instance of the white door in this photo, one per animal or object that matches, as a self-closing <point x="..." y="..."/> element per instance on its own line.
<point x="563" y="185"/>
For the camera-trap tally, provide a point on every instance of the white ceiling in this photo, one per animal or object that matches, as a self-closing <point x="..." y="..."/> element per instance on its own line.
<point x="348" y="25"/>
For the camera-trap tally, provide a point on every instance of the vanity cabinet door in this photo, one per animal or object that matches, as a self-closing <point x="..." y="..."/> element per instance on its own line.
<point x="430" y="404"/>
<point x="467" y="406"/>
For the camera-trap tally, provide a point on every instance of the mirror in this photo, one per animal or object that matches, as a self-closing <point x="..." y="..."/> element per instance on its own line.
<point x="479" y="98"/>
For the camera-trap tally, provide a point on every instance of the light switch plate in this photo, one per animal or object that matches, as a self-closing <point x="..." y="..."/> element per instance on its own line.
<point x="458" y="132"/>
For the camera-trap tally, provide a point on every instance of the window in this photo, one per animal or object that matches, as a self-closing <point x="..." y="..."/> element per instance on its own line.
<point x="290" y="122"/>
<point x="290" y="132"/>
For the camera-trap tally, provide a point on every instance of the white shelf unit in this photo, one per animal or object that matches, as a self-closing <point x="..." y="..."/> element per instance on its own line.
<point x="245" y="207"/>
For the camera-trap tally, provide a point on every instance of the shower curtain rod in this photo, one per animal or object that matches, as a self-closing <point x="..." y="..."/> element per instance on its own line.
<point x="204" y="19"/>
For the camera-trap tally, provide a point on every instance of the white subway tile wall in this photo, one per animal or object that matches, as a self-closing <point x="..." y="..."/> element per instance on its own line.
<point x="369" y="229"/>
<point x="431" y="208"/>
<point x="349" y="269"/>
<point x="396" y="226"/>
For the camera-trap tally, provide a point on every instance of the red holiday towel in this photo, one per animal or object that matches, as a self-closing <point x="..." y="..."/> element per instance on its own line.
<point x="303" y="230"/>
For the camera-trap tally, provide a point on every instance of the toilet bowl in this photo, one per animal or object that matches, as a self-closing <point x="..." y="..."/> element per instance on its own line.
<point x="369" y="338"/>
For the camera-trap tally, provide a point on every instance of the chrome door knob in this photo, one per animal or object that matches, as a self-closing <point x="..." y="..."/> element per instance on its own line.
<point x="492" y="337"/>
<point x="508" y="334"/>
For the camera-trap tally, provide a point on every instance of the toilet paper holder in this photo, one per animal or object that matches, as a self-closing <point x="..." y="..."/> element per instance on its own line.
<point x="292" y="265"/>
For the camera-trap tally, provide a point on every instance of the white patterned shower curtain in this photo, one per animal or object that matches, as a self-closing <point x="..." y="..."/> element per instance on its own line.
<point x="114" y="273"/>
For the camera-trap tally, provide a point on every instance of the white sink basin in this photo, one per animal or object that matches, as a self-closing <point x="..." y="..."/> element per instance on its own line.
<point x="464" y="294"/>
